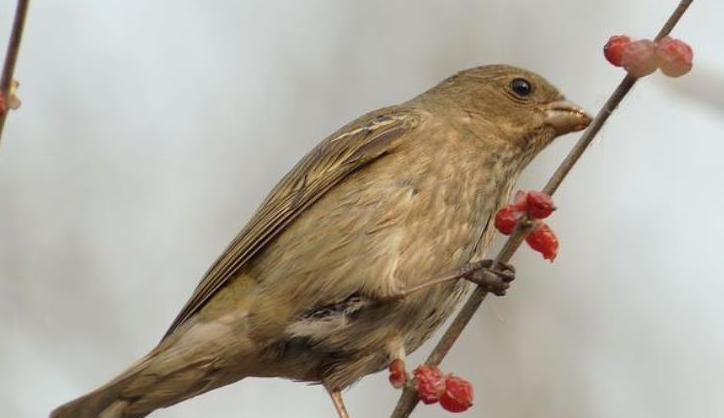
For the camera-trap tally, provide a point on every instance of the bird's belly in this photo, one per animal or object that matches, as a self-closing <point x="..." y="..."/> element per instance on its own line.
<point x="381" y="230"/>
<point x="368" y="342"/>
<point x="376" y="235"/>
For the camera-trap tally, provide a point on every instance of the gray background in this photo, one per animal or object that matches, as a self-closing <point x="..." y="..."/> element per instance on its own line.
<point x="150" y="131"/>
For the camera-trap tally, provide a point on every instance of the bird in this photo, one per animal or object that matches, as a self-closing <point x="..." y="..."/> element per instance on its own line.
<point x="316" y="286"/>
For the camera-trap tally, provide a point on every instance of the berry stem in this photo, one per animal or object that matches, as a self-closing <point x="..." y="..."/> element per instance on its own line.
<point x="11" y="58"/>
<point x="673" y="19"/>
<point x="408" y="400"/>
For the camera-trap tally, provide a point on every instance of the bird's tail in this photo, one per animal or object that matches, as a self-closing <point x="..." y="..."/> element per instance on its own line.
<point x="107" y="401"/>
<point x="196" y="358"/>
<point x="158" y="380"/>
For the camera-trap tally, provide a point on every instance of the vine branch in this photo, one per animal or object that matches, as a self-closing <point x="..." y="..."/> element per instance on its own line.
<point x="11" y="58"/>
<point x="408" y="400"/>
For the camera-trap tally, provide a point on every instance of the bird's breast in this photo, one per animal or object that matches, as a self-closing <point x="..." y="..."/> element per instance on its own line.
<point x="419" y="211"/>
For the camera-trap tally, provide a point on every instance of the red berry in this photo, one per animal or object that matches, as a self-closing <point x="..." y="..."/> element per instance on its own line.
<point x="398" y="375"/>
<point x="613" y="50"/>
<point x="540" y="205"/>
<point x="543" y="240"/>
<point x="639" y="58"/>
<point x="674" y="57"/>
<point x="507" y="217"/>
<point x="458" y="395"/>
<point x="2" y="103"/>
<point x="430" y="383"/>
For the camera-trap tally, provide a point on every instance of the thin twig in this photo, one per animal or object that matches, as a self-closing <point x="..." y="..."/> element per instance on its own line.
<point x="11" y="58"/>
<point x="408" y="400"/>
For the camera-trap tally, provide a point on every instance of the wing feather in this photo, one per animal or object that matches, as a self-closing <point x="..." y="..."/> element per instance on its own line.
<point x="347" y="150"/>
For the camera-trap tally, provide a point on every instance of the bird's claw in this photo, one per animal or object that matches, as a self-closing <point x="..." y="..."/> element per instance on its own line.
<point x="494" y="280"/>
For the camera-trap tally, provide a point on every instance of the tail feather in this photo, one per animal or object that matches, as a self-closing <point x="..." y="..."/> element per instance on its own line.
<point x="196" y="358"/>
<point x="162" y="378"/>
<point x="139" y="391"/>
<point x="106" y="401"/>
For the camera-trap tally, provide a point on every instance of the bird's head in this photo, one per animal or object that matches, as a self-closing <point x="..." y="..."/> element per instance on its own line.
<point x="521" y="107"/>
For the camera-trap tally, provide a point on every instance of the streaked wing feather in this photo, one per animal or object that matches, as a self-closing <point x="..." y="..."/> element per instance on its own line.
<point x="355" y="145"/>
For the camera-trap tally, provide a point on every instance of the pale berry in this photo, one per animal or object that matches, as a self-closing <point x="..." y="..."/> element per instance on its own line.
<point x="398" y="375"/>
<point x="520" y="199"/>
<point x="430" y="383"/>
<point x="540" y="205"/>
<point x="674" y="57"/>
<point x="613" y="50"/>
<point x="542" y="239"/>
<point x="639" y="58"/>
<point x="458" y="395"/>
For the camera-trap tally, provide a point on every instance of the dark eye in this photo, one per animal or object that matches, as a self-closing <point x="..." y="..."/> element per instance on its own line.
<point x="521" y="87"/>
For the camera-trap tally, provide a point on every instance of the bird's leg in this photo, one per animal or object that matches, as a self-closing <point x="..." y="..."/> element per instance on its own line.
<point x="336" y="395"/>
<point x="482" y="273"/>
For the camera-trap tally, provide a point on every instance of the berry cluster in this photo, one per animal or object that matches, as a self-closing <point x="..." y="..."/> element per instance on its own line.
<point x="642" y="57"/>
<point x="454" y="393"/>
<point x="536" y="206"/>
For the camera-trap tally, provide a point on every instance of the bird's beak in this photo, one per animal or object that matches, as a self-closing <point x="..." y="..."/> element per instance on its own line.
<point x="566" y="117"/>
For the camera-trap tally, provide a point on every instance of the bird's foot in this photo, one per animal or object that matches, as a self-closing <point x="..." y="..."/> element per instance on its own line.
<point x="494" y="280"/>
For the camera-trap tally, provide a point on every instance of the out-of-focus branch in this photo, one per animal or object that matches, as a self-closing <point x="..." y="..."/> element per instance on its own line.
<point x="408" y="400"/>
<point x="11" y="58"/>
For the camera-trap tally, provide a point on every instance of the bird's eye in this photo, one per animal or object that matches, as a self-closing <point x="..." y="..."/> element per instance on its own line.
<point x="521" y="87"/>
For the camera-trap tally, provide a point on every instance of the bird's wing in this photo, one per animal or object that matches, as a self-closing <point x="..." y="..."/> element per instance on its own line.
<point x="352" y="147"/>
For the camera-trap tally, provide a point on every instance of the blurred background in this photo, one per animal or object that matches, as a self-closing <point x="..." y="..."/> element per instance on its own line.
<point x="150" y="131"/>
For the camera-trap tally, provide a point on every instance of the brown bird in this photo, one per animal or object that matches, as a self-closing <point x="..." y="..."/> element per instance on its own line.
<point x="316" y="286"/>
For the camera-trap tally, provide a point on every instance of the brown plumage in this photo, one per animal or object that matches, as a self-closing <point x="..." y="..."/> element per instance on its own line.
<point x="387" y="202"/>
